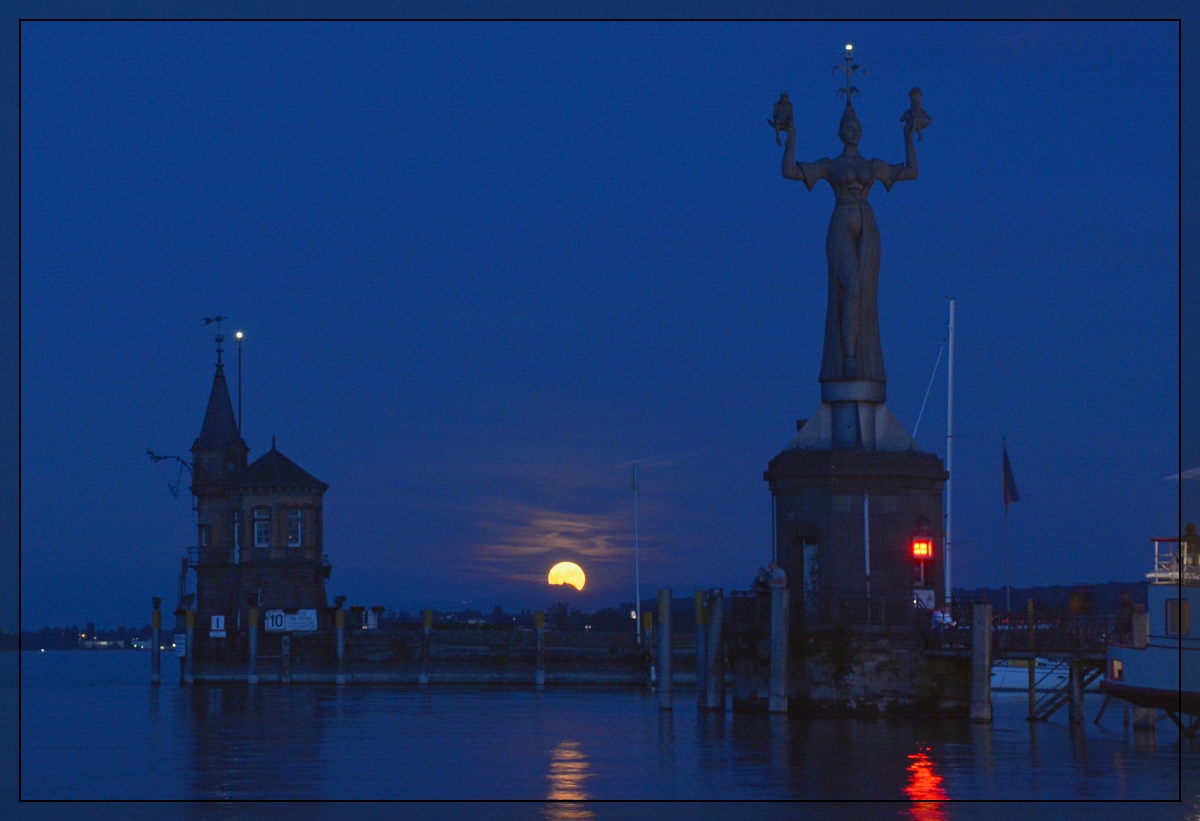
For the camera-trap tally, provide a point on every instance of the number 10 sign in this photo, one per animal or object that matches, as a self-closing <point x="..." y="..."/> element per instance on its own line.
<point x="299" y="622"/>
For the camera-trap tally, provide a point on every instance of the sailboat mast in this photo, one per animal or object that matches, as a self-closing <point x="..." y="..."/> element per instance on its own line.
<point x="949" y="451"/>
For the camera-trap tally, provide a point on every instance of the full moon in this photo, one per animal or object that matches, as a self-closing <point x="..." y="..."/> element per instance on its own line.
<point x="567" y="573"/>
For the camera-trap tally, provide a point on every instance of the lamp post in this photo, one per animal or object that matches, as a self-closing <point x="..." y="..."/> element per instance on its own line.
<point x="239" y="344"/>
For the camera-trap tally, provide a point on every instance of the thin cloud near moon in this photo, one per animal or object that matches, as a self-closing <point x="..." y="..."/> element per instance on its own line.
<point x="537" y="533"/>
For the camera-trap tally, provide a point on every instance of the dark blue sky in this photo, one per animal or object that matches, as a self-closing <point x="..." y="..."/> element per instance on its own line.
<point x="482" y="268"/>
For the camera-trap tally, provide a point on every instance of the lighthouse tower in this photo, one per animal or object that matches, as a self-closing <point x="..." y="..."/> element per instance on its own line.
<point x="259" y="539"/>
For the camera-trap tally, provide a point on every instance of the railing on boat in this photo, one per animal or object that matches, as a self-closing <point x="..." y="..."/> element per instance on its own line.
<point x="1170" y="557"/>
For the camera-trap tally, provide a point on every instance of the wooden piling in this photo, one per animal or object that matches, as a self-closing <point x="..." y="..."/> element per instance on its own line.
<point x="648" y="642"/>
<point x="778" y="701"/>
<point x="701" y="651"/>
<point x="426" y="645"/>
<point x="156" y="644"/>
<point x="189" y="660"/>
<point x="664" y="648"/>
<point x="252" y="659"/>
<point x="716" y="650"/>
<point x="1145" y="719"/>
<point x="981" y="663"/>
<point x="285" y="659"/>
<point x="339" y="627"/>
<point x="539" y="625"/>
<point x="1075" y="683"/>
<point x="1032" y="661"/>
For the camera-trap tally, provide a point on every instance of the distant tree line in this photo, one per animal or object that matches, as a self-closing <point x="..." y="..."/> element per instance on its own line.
<point x="69" y="638"/>
<point x="1101" y="599"/>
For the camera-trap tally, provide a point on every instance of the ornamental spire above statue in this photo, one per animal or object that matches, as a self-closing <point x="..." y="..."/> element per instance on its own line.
<point x="852" y="361"/>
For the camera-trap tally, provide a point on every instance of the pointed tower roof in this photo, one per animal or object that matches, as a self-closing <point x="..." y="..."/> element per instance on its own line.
<point x="220" y="427"/>
<point x="273" y="469"/>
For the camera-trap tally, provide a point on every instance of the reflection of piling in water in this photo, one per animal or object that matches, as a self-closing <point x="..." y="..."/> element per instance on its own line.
<point x="539" y="626"/>
<point x="715" y="675"/>
<point x="701" y="650"/>
<point x="339" y="626"/>
<point x="252" y="661"/>
<point x="664" y="648"/>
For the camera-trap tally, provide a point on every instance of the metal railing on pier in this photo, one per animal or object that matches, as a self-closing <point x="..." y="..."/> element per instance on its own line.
<point x="1050" y="634"/>
<point x="752" y="608"/>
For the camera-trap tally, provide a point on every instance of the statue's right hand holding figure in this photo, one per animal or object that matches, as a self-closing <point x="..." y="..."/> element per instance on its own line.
<point x="783" y="120"/>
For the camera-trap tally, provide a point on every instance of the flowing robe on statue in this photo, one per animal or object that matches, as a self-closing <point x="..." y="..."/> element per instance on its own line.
<point x="852" y="250"/>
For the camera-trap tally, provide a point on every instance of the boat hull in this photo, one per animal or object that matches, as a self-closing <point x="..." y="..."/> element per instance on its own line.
<point x="1174" y="700"/>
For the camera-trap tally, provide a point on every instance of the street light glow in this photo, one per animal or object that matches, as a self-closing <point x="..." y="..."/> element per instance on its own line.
<point x="239" y="334"/>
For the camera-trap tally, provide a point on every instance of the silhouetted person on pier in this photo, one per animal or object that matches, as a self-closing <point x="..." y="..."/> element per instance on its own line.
<point x="762" y="582"/>
<point x="942" y="623"/>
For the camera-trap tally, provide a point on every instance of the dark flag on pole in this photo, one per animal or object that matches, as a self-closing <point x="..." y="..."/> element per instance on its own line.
<point x="1010" y="484"/>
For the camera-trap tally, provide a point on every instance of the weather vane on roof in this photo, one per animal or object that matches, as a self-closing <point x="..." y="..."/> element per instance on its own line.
<point x="849" y="90"/>
<point x="220" y="336"/>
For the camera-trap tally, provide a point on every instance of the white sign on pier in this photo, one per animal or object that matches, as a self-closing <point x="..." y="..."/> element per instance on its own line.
<point x="302" y="621"/>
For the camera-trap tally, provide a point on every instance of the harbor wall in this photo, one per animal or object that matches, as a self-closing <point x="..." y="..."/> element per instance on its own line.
<point x="861" y="669"/>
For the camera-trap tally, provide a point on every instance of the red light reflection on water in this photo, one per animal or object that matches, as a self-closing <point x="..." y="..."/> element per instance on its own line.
<point x="924" y="787"/>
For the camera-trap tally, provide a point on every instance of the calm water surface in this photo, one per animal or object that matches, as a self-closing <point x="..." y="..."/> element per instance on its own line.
<point x="93" y="728"/>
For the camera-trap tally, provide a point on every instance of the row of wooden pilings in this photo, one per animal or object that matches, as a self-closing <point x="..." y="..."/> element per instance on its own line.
<point x="710" y="655"/>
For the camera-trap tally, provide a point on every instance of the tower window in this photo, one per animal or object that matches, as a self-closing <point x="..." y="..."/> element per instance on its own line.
<point x="262" y="527"/>
<point x="204" y="534"/>
<point x="295" y="525"/>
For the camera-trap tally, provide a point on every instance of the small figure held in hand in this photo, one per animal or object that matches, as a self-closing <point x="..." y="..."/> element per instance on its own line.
<point x="783" y="116"/>
<point x="916" y="118"/>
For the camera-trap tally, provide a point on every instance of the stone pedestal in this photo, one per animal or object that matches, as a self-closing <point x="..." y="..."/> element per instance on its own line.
<point x="821" y="496"/>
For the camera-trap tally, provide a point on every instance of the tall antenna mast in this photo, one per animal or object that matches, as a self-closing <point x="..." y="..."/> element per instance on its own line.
<point x="637" y="578"/>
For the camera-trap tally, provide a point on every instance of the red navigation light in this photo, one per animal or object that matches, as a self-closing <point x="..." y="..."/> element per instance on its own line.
<point x="922" y="548"/>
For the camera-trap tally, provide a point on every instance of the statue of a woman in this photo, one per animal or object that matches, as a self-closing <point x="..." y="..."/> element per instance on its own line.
<point x="852" y="350"/>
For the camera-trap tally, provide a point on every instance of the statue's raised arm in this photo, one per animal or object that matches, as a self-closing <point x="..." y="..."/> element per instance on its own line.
<point x="784" y="120"/>
<point x="916" y="119"/>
